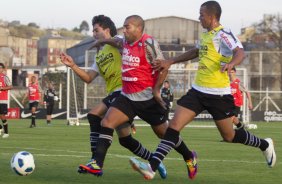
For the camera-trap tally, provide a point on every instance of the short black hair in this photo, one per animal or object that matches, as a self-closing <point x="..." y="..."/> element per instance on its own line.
<point x="138" y="21"/>
<point x="2" y="65"/>
<point x="213" y="8"/>
<point x="105" y="22"/>
<point x="234" y="69"/>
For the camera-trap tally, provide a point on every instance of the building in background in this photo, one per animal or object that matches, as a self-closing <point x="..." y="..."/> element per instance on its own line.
<point x="51" y="45"/>
<point x="172" y="30"/>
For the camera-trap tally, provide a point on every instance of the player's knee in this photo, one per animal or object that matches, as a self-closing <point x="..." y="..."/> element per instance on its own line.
<point x="107" y="123"/>
<point x="160" y="131"/>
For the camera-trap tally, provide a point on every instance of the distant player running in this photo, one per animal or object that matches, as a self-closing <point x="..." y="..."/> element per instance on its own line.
<point x="219" y="51"/>
<point x="108" y="65"/>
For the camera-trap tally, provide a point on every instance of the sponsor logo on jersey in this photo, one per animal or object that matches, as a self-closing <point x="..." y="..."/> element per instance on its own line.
<point x="127" y="69"/>
<point x="129" y="78"/>
<point x="224" y="37"/>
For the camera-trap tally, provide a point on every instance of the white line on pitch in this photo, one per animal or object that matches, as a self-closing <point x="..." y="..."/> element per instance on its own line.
<point x="118" y="156"/>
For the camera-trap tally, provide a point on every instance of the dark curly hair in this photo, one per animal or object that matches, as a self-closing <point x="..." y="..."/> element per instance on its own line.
<point x="1" y="64"/>
<point x="105" y="22"/>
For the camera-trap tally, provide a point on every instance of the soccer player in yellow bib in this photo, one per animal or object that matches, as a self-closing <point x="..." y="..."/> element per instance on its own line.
<point x="218" y="51"/>
<point x="108" y="65"/>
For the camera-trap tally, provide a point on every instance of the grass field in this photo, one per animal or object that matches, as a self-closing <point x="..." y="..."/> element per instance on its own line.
<point x="58" y="150"/>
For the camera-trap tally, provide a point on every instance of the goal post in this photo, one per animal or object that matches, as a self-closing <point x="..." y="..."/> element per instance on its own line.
<point x="82" y="97"/>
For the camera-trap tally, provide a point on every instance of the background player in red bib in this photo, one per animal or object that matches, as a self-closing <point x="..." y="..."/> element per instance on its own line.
<point x="34" y="96"/>
<point x="236" y="90"/>
<point x="5" y="85"/>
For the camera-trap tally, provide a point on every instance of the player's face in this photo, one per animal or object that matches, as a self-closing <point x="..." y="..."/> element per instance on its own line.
<point x="130" y="31"/>
<point x="166" y="85"/>
<point x="50" y="86"/>
<point x="232" y="74"/>
<point x="33" y="79"/>
<point x="98" y="32"/>
<point x="205" y="18"/>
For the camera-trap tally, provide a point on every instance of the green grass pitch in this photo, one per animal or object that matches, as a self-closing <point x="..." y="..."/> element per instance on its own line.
<point x="58" y="150"/>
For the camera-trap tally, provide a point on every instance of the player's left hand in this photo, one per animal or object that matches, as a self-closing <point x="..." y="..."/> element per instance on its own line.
<point x="161" y="65"/>
<point x="227" y="67"/>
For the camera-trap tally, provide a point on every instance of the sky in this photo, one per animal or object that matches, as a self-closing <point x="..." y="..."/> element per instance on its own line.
<point x="70" y="13"/>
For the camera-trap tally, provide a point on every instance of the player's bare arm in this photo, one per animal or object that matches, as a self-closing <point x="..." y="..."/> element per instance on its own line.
<point x="238" y="57"/>
<point x="6" y="88"/>
<point x="165" y="64"/>
<point x="8" y="85"/>
<point x="115" y="42"/>
<point x="248" y="95"/>
<point x="85" y="76"/>
<point x="157" y="88"/>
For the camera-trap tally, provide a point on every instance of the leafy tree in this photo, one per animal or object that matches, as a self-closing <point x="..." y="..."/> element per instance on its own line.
<point x="75" y="30"/>
<point x="32" y="24"/>
<point x="84" y="26"/>
<point x="26" y="31"/>
<point x="271" y="26"/>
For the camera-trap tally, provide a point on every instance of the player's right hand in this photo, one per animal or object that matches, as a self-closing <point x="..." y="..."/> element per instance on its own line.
<point x="66" y="59"/>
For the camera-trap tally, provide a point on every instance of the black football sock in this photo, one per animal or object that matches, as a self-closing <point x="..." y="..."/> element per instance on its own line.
<point x="33" y="116"/>
<point x="95" y="128"/>
<point x="181" y="148"/>
<point x="169" y="141"/>
<point x="135" y="147"/>
<point x="5" y="124"/>
<point x="239" y="125"/>
<point x="245" y="137"/>
<point x="104" y="142"/>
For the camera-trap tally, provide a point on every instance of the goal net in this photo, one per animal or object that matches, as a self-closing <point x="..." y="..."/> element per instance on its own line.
<point x="82" y="97"/>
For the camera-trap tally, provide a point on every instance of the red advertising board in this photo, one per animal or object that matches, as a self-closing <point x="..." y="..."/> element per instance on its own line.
<point x="13" y="113"/>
